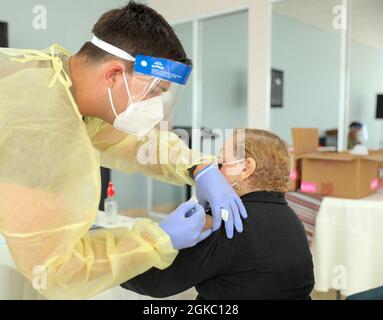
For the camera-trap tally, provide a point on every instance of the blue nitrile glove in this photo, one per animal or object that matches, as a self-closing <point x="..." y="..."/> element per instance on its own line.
<point x="212" y="188"/>
<point x="185" y="225"/>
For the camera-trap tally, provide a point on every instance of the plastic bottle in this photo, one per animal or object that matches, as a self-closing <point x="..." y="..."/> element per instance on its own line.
<point x="110" y="205"/>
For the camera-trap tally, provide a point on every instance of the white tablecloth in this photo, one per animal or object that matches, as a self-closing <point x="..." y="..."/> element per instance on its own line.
<point x="13" y="286"/>
<point x="348" y="245"/>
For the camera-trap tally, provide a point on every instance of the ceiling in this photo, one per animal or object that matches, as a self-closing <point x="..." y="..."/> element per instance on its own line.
<point x="366" y="19"/>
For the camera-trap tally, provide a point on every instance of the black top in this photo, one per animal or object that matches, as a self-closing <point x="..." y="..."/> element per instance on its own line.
<point x="271" y="259"/>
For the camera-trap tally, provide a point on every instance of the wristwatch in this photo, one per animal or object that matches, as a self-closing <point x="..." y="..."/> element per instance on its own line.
<point x="191" y="170"/>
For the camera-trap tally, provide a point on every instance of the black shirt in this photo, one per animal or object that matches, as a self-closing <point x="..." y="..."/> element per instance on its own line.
<point x="271" y="259"/>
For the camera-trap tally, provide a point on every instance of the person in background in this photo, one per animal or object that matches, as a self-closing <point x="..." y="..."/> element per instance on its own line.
<point x="271" y="259"/>
<point x="354" y="132"/>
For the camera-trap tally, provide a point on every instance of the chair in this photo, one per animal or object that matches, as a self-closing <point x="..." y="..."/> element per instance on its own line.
<point x="373" y="294"/>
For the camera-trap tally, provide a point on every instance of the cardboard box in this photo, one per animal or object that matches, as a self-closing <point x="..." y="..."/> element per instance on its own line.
<point x="305" y="140"/>
<point x="380" y="186"/>
<point x="379" y="153"/>
<point x="294" y="172"/>
<point x="340" y="174"/>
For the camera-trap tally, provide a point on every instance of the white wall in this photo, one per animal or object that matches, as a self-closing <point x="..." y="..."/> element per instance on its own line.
<point x="309" y="57"/>
<point x="258" y="44"/>
<point x="179" y="10"/>
<point x="365" y="83"/>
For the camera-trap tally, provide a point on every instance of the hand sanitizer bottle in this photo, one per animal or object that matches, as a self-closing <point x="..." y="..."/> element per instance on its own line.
<point x="110" y="205"/>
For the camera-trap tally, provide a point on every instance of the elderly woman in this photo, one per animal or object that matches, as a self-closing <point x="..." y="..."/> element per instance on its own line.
<point x="269" y="260"/>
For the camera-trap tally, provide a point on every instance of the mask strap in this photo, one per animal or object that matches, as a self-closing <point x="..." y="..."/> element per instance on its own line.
<point x="152" y="85"/>
<point x="127" y="87"/>
<point x="111" y="102"/>
<point x="233" y="162"/>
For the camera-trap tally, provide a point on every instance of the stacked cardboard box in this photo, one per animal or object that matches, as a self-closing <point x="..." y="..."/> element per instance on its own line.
<point x="305" y="140"/>
<point x="340" y="174"/>
<point x="379" y="153"/>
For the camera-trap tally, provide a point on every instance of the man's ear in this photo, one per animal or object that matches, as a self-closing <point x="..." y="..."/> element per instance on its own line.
<point x="112" y="71"/>
<point x="249" y="168"/>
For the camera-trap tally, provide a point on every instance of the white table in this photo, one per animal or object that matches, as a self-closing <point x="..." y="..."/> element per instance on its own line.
<point x="13" y="286"/>
<point x="348" y="245"/>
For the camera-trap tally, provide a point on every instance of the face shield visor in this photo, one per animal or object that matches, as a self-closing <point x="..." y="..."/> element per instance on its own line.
<point x="360" y="132"/>
<point x="154" y="86"/>
<point x="362" y="135"/>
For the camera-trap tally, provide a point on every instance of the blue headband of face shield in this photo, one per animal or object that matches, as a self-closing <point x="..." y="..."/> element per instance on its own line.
<point x="160" y="68"/>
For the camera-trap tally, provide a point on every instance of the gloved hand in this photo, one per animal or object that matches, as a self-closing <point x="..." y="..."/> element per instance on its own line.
<point x="185" y="225"/>
<point x="213" y="189"/>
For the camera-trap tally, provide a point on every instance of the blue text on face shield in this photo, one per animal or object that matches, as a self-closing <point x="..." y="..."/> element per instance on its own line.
<point x="163" y="69"/>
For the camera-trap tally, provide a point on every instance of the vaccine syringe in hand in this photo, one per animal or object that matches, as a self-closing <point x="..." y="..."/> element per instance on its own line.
<point x="224" y="212"/>
<point x="208" y="221"/>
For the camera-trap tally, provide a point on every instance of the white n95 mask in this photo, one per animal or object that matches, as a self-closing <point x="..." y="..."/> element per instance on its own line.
<point x="139" y="117"/>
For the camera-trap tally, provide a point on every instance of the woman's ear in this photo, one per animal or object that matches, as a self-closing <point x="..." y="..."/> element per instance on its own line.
<point x="248" y="170"/>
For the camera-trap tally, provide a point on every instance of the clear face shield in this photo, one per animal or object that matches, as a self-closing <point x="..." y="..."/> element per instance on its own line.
<point x="362" y="135"/>
<point x="154" y="86"/>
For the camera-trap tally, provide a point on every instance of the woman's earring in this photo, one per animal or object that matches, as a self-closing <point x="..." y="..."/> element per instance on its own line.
<point x="237" y="185"/>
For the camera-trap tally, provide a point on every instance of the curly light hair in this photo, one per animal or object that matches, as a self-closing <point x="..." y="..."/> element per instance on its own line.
<point x="272" y="158"/>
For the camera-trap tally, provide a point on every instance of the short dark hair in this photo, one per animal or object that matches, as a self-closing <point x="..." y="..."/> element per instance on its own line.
<point x="137" y="29"/>
<point x="356" y="125"/>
